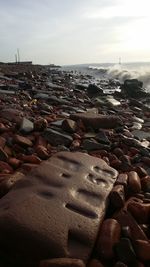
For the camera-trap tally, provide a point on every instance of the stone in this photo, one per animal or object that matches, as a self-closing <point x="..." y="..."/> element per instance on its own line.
<point x="134" y="183"/>
<point x="23" y="141"/>
<point x="140" y="211"/>
<point x="90" y="145"/>
<point x="125" y="218"/>
<point x="101" y="137"/>
<point x="125" y="251"/>
<point x="94" y="90"/>
<point x="57" y="138"/>
<point x="142" y="250"/>
<point x="141" y="134"/>
<point x="133" y="88"/>
<point x="62" y="262"/>
<point x="40" y="124"/>
<point x="26" y="126"/>
<point x="117" y="197"/>
<point x="63" y="201"/>
<point x="42" y="152"/>
<point x="97" y="121"/>
<point x="12" y="115"/>
<point x="69" y="126"/>
<point x="108" y="237"/>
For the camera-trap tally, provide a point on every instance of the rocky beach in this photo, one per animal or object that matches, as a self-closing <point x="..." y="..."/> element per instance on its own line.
<point x="74" y="169"/>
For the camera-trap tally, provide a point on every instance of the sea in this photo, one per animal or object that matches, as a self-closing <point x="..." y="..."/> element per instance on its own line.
<point x="119" y="71"/>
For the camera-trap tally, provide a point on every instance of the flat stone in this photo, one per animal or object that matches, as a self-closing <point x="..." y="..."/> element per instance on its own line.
<point x="57" y="138"/>
<point x="55" y="211"/>
<point x="23" y="141"/>
<point x="97" y="121"/>
<point x="141" y="134"/>
<point x="90" y="145"/>
<point x="26" y="126"/>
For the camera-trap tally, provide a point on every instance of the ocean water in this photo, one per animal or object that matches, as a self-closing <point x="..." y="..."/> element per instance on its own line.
<point x="121" y="72"/>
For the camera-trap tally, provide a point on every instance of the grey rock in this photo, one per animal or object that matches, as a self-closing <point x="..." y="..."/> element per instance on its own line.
<point x="26" y="126"/>
<point x="90" y="145"/>
<point x="57" y="138"/>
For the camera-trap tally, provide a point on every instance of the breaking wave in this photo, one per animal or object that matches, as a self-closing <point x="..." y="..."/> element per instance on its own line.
<point x="123" y="72"/>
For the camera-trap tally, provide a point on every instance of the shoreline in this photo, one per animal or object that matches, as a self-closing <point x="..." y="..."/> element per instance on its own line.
<point x="47" y="111"/>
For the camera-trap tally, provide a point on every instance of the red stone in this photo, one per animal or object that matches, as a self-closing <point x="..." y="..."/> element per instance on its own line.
<point x="134" y="182"/>
<point x="109" y="235"/>
<point x="42" y="152"/>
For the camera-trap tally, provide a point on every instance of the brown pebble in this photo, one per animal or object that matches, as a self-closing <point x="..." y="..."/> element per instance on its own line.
<point x="142" y="250"/>
<point x="145" y="183"/>
<point x="95" y="263"/>
<point x="23" y="141"/>
<point x="108" y="236"/>
<point x="42" y="152"/>
<point x="117" y="196"/>
<point x="15" y="163"/>
<point x="140" y="211"/>
<point x="30" y="159"/>
<point x="134" y="182"/>
<point x="40" y="124"/>
<point x="62" y="262"/>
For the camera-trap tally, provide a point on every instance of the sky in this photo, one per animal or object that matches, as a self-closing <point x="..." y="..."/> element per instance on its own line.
<point x="75" y="31"/>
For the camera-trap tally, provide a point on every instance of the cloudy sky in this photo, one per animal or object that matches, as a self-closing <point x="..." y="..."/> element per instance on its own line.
<point x="75" y="31"/>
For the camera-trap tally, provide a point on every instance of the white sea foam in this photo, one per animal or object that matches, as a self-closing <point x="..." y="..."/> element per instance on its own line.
<point x="126" y="71"/>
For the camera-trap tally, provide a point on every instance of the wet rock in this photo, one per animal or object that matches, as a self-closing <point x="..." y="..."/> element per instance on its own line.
<point x="94" y="90"/>
<point x="26" y="126"/>
<point x="133" y="88"/>
<point x="97" y="121"/>
<point x="57" y="138"/>
<point x="95" y="263"/>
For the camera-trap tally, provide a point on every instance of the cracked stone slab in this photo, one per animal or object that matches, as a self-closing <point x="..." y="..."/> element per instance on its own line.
<point x="55" y="211"/>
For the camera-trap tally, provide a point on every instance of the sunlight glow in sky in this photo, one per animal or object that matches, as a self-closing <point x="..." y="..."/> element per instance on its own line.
<point x="75" y="31"/>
